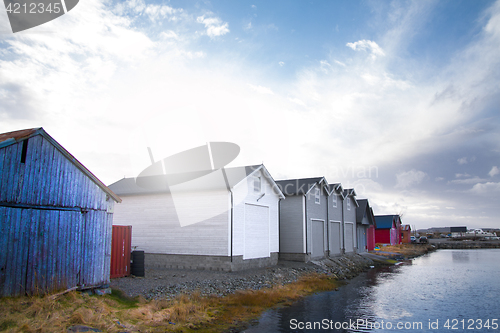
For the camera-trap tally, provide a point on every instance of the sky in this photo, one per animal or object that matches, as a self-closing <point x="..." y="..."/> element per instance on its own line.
<point x="399" y="100"/>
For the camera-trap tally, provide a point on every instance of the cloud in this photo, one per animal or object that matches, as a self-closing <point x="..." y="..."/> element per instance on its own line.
<point x="461" y="175"/>
<point x="494" y="171"/>
<point x="340" y="63"/>
<point x="473" y="180"/>
<point x="215" y="27"/>
<point x="367" y="45"/>
<point x="261" y="89"/>
<point x="462" y="160"/>
<point x="281" y="63"/>
<point x="152" y="11"/>
<point x="485" y="188"/>
<point x="409" y="178"/>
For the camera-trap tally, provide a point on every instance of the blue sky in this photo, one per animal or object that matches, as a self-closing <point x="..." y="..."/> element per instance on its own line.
<point x="398" y="99"/>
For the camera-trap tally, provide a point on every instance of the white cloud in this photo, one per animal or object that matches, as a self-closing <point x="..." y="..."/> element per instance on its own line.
<point x="462" y="160"/>
<point x="487" y="188"/>
<point x="261" y="89"/>
<point x="409" y="178"/>
<point x="152" y="11"/>
<point x="215" y="27"/>
<point x="473" y="180"/>
<point x="367" y="45"/>
<point x="461" y="175"/>
<point x="339" y="63"/>
<point x="494" y="171"/>
<point x="281" y="63"/>
<point x="297" y="101"/>
<point x="438" y="179"/>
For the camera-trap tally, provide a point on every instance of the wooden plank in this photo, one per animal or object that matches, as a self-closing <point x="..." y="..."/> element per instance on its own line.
<point x="23" y="258"/>
<point x="52" y="250"/>
<point x="12" y="175"/>
<point x="7" y="239"/>
<point x="35" y="182"/>
<point x="45" y="175"/>
<point x="46" y="260"/>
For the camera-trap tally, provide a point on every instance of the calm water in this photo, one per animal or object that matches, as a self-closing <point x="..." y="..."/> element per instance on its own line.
<point x="445" y="291"/>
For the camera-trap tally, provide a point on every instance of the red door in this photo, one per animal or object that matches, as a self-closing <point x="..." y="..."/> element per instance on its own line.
<point x="120" y="251"/>
<point x="370" y="238"/>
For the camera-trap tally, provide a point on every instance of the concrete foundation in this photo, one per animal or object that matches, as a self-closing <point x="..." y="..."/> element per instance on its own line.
<point x="302" y="257"/>
<point x="212" y="263"/>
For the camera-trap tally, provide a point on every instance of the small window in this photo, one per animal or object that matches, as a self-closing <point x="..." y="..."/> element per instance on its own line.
<point x="257" y="185"/>
<point x="348" y="203"/>
<point x="24" y="151"/>
<point x="334" y="200"/>
<point x="317" y="196"/>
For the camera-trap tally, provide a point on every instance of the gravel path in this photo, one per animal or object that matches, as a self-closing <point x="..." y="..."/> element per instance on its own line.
<point x="161" y="283"/>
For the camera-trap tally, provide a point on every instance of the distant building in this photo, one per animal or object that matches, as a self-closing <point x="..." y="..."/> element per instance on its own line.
<point x="365" y="226"/>
<point x="406" y="234"/>
<point x="388" y="230"/>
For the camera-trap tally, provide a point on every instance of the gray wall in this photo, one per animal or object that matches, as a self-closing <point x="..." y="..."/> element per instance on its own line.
<point x="350" y="216"/>
<point x="292" y="224"/>
<point x="335" y="237"/>
<point x="316" y="211"/>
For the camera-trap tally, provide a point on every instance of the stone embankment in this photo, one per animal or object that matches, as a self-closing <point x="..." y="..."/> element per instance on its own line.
<point x="168" y="283"/>
<point x="467" y="245"/>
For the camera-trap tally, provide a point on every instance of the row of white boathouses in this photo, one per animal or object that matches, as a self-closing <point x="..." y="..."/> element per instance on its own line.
<point x="236" y="218"/>
<point x="56" y="218"/>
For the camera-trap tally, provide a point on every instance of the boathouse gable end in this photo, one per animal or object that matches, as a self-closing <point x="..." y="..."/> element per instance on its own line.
<point x="55" y="218"/>
<point x="231" y="214"/>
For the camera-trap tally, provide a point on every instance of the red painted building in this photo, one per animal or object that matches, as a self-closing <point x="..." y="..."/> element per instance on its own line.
<point x="405" y="233"/>
<point x="388" y="230"/>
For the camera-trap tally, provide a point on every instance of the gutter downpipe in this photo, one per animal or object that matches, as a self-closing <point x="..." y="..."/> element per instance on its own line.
<point x="306" y="219"/>
<point x="343" y="227"/>
<point x="327" y="225"/>
<point x="232" y="213"/>
<point x="232" y="218"/>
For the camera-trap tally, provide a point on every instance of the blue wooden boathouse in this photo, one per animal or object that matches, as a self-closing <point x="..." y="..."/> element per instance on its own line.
<point x="55" y="218"/>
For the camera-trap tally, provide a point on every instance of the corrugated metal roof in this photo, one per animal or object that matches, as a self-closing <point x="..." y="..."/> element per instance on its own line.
<point x="364" y="207"/>
<point x="301" y="186"/>
<point x="212" y="180"/>
<point x="16" y="136"/>
<point x="336" y="187"/>
<point x="10" y="138"/>
<point x="384" y="221"/>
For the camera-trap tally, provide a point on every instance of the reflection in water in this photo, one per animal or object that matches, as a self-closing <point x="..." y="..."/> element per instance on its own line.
<point x="448" y="284"/>
<point x="460" y="256"/>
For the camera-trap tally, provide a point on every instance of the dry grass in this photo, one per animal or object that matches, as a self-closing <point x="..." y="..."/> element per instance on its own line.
<point x="114" y="313"/>
<point x="408" y="250"/>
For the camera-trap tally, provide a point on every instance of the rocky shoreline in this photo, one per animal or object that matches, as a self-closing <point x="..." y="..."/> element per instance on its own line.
<point x="168" y="283"/>
<point x="467" y="245"/>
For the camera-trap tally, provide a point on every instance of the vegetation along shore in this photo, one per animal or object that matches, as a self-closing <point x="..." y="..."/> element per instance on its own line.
<point x="185" y="300"/>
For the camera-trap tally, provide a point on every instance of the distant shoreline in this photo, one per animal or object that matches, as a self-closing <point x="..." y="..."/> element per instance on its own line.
<point x="464" y="244"/>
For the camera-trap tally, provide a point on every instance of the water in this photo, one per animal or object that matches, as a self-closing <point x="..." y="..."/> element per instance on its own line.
<point x="445" y="291"/>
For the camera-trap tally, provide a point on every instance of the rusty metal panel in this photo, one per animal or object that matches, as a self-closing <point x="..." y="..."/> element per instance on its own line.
<point x="120" y="251"/>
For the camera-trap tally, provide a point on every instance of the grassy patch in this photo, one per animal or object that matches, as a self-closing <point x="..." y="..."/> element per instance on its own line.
<point x="186" y="313"/>
<point x="407" y="250"/>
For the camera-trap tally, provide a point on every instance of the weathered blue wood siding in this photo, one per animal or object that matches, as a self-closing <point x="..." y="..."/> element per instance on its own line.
<point x="55" y="222"/>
